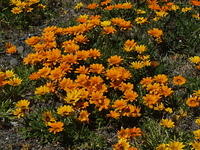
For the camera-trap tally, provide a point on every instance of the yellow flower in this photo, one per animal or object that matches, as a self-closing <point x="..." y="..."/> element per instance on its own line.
<point x="73" y="96"/>
<point x="196" y="145"/>
<point x="140" y="11"/>
<point x="162" y="147"/>
<point x="176" y="145"/>
<point x="195" y="59"/>
<point x="161" y="13"/>
<point x="23" y="104"/>
<point x="140" y="20"/>
<point x="105" y="23"/>
<point x="18" y="112"/>
<point x="186" y="9"/>
<point x="56" y="127"/>
<point x="15" y="81"/>
<point x="140" y="48"/>
<point x="168" y="123"/>
<point x="9" y="73"/>
<point x="174" y="7"/>
<point x="122" y="144"/>
<point x="65" y="110"/>
<point x="169" y="110"/>
<point x="16" y="10"/>
<point x="197" y="121"/>
<point x="197" y="134"/>
<point x="42" y="90"/>
<point x="48" y="117"/>
<point x="78" y="5"/>
<point x="137" y="65"/>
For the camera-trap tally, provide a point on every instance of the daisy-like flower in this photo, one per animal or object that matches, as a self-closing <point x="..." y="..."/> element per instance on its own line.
<point x="65" y="110"/>
<point x="176" y="145"/>
<point x="56" y="127"/>
<point x="168" y="123"/>
<point x="83" y="116"/>
<point x="115" y="60"/>
<point x="140" y="20"/>
<point x="23" y="104"/>
<point x="155" y="32"/>
<point x="179" y="80"/>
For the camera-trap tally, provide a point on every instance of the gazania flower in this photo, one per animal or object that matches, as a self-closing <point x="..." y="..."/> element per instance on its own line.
<point x="196" y="145"/>
<point x="129" y="45"/>
<point x="83" y="116"/>
<point x="48" y="117"/>
<point x="113" y="114"/>
<point x="176" y="145"/>
<point x="197" y="134"/>
<point x="65" y="110"/>
<point x="16" y="10"/>
<point x="109" y="30"/>
<point x="195" y="59"/>
<point x="96" y="68"/>
<point x="155" y="32"/>
<point x="42" y="90"/>
<point x="11" y="50"/>
<point x="179" y="80"/>
<point x="140" y="20"/>
<point x="23" y="104"/>
<point x="195" y="2"/>
<point x="140" y="48"/>
<point x="161" y="78"/>
<point x="92" y="6"/>
<point x="168" y="123"/>
<point x="15" y="81"/>
<point x="105" y="23"/>
<point x="56" y="127"/>
<point x="137" y="65"/>
<point x="18" y="112"/>
<point x="115" y="60"/>
<point x="122" y="144"/>
<point x="197" y="121"/>
<point x="193" y="101"/>
<point x="78" y="6"/>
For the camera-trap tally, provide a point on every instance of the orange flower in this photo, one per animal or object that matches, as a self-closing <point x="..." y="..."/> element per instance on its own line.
<point x="32" y="40"/>
<point x="146" y="81"/>
<point x="81" y="39"/>
<point x="115" y="60"/>
<point x="193" y="101"/>
<point x="92" y="6"/>
<point x="83" y="116"/>
<point x="130" y="95"/>
<point x="94" y="53"/>
<point x="195" y="3"/>
<point x="179" y="80"/>
<point x="151" y="99"/>
<point x="155" y="32"/>
<point x="113" y="114"/>
<point x="96" y="68"/>
<point x="129" y="45"/>
<point x="56" y="127"/>
<point x="82" y="70"/>
<point x="10" y="48"/>
<point x="161" y="78"/>
<point x="16" y="10"/>
<point x="109" y="30"/>
<point x="129" y="133"/>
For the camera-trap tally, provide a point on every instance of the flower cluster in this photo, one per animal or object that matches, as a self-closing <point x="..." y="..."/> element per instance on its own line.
<point x="194" y="100"/>
<point x="158" y="89"/>
<point x="124" y="135"/>
<point x="196" y="61"/>
<point x="174" y="145"/>
<point x="22" y="107"/>
<point x="9" y="78"/>
<point x="25" y="6"/>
